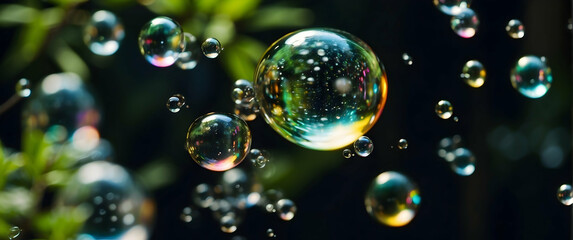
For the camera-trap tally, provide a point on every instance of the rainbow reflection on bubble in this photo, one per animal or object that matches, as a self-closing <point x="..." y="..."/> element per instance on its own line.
<point x="465" y="23"/>
<point x="161" y="40"/>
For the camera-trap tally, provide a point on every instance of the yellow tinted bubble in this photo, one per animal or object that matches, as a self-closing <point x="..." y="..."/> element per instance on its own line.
<point x="473" y="73"/>
<point x="320" y="88"/>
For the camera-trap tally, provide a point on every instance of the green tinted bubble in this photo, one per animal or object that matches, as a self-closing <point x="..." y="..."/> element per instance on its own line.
<point x="320" y="88"/>
<point x="531" y="77"/>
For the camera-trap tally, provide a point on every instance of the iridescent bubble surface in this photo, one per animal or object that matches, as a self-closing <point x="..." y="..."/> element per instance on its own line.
<point x="363" y="146"/>
<point x="23" y="88"/>
<point x="402" y="143"/>
<point x="111" y="200"/>
<point x="218" y="141"/>
<point x="531" y="77"/>
<point x="565" y="194"/>
<point x="247" y="111"/>
<point x="14" y="232"/>
<point x="320" y="88"/>
<point x="444" y="109"/>
<point x="347" y="153"/>
<point x="211" y="47"/>
<point x="473" y="73"/>
<point x="515" y="29"/>
<point x="104" y="33"/>
<point x="452" y="7"/>
<point x="462" y="161"/>
<point x="161" y="41"/>
<point x="243" y="92"/>
<point x="392" y="199"/>
<point x="189" y="58"/>
<point x="175" y="103"/>
<point x="286" y="209"/>
<point x="465" y="23"/>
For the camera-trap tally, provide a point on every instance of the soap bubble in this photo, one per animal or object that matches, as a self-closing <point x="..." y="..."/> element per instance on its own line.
<point x="452" y="7"/>
<point x="218" y="141"/>
<point x="203" y="195"/>
<point x="211" y="47"/>
<point x="189" y="58"/>
<point x="444" y="109"/>
<point x="465" y="23"/>
<point x="14" y="232"/>
<point x="113" y="203"/>
<point x="363" y="146"/>
<point x="303" y="97"/>
<point x="462" y="161"/>
<point x="228" y="224"/>
<point x="161" y="40"/>
<point x="449" y="144"/>
<point x="515" y="29"/>
<point x="61" y="104"/>
<point x="473" y="73"/>
<point x="271" y="233"/>
<point x="347" y="153"/>
<point x="565" y="194"/>
<point x="247" y="111"/>
<point x="531" y="77"/>
<point x="286" y="209"/>
<point x="175" y="103"/>
<point x="407" y="59"/>
<point x="402" y="144"/>
<point x="188" y="214"/>
<point x="103" y="33"/>
<point x="23" y="88"/>
<point x="392" y="199"/>
<point x="243" y="92"/>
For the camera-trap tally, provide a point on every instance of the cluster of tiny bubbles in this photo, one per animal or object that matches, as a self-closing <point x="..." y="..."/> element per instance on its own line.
<point x="61" y="104"/>
<point x="462" y="161"/>
<point x="402" y="143"/>
<point x="392" y="199"/>
<point x="104" y="33"/>
<point x="465" y="23"/>
<point x="113" y="205"/>
<point x="286" y="209"/>
<point x="161" y="40"/>
<point x="407" y="59"/>
<point x="320" y="88"/>
<point x="452" y="7"/>
<point x="565" y="194"/>
<point x="175" y="103"/>
<point x="23" y="88"/>
<point x="444" y="109"/>
<point x="258" y="158"/>
<point x="14" y="232"/>
<point x="515" y="29"/>
<point x="211" y="47"/>
<point x="363" y="146"/>
<point x="243" y="92"/>
<point x="189" y="58"/>
<point x="347" y="153"/>
<point x="271" y="233"/>
<point x="218" y="141"/>
<point x="473" y="73"/>
<point x="272" y="196"/>
<point x="531" y="76"/>
<point x="449" y="144"/>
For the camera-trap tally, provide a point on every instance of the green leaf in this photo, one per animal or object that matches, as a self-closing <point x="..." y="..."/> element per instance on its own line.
<point x="222" y="28"/>
<point x="237" y="9"/>
<point x="35" y="147"/>
<point x="16" y="202"/>
<point x="168" y="7"/>
<point x="156" y="174"/>
<point x="61" y="222"/>
<point x="66" y="3"/>
<point x="69" y="61"/>
<point x="279" y="17"/>
<point x="237" y="63"/>
<point x="12" y="14"/>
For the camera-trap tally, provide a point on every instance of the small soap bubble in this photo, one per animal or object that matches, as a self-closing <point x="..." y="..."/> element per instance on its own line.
<point x="444" y="109"/>
<point x="258" y="158"/>
<point x="515" y="29"/>
<point x="347" y="153"/>
<point x="565" y="194"/>
<point x="203" y="195"/>
<point x="161" y="40"/>
<point x="473" y="73"/>
<point x="402" y="143"/>
<point x="243" y="92"/>
<point x="452" y="7"/>
<point x="247" y="111"/>
<point x="465" y="23"/>
<point x="261" y="162"/>
<point x="456" y="119"/>
<point x="531" y="77"/>
<point x="228" y="224"/>
<point x="23" y="88"/>
<point x="462" y="161"/>
<point x="363" y="146"/>
<point x="187" y="214"/>
<point x="14" y="232"/>
<point x="271" y="233"/>
<point x="103" y="33"/>
<point x="211" y="47"/>
<point x="286" y="209"/>
<point x="407" y="59"/>
<point x="189" y="58"/>
<point x="175" y="103"/>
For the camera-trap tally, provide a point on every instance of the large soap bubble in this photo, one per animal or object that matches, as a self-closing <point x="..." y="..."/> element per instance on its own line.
<point x="320" y="88"/>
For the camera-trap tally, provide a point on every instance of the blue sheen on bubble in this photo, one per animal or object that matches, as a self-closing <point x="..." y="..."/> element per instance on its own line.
<point x="531" y="77"/>
<point x="452" y="7"/>
<point x="462" y="161"/>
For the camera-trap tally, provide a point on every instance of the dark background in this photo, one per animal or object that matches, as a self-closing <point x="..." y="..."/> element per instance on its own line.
<point x="511" y="195"/>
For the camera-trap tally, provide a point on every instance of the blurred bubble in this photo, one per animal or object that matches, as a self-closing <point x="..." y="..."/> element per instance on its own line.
<point x="271" y="233"/>
<point x="402" y="143"/>
<point x="465" y="23"/>
<point x="247" y="111"/>
<point x="286" y="209"/>
<point x="228" y="224"/>
<point x="513" y="145"/>
<point x="531" y="77"/>
<point x="218" y="141"/>
<point x="211" y="47"/>
<point x="555" y="147"/>
<point x="515" y="29"/>
<point x="347" y="153"/>
<point x="363" y="146"/>
<point x="565" y="194"/>
<point x="161" y="40"/>
<point x="85" y="139"/>
<point x="473" y="73"/>
<point x="452" y="7"/>
<point x="203" y="195"/>
<point x="243" y="92"/>
<point x="320" y="104"/>
<point x="444" y="109"/>
<point x="14" y="232"/>
<point x="104" y="33"/>
<point x="392" y="199"/>
<point x="175" y="103"/>
<point x="407" y="59"/>
<point x="113" y="202"/>
<point x="462" y="161"/>
<point x="189" y="58"/>
<point x="188" y="214"/>
<point x="23" y="88"/>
